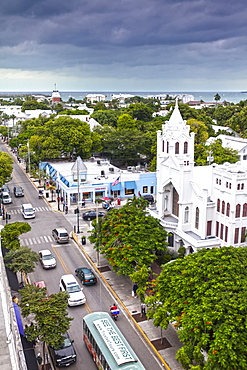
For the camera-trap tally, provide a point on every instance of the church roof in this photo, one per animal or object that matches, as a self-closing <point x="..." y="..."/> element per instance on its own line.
<point x="176" y="117"/>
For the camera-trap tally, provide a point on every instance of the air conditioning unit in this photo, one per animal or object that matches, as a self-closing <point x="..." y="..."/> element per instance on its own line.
<point x="111" y="169"/>
<point x="129" y="168"/>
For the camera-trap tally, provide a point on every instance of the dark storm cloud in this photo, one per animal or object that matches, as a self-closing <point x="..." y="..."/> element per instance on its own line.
<point x="122" y="34"/>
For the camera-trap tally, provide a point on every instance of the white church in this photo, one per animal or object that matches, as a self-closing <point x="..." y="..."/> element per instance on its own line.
<point x="199" y="206"/>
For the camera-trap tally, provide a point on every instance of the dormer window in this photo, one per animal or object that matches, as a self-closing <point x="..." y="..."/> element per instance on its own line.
<point x="177" y="148"/>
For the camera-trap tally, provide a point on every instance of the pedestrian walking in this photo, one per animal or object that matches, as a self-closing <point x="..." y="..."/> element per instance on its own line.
<point x="134" y="293"/>
<point x="143" y="309"/>
<point x="64" y="205"/>
<point x="66" y="209"/>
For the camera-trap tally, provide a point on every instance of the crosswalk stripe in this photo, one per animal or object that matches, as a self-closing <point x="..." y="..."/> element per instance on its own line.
<point x="37" y="209"/>
<point x="36" y="240"/>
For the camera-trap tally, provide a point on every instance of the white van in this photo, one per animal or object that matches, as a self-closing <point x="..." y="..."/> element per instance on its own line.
<point x="27" y="210"/>
<point x="6" y="198"/>
<point x="68" y="283"/>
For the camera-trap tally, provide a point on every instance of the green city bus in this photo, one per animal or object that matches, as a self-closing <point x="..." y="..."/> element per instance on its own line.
<point x="107" y="345"/>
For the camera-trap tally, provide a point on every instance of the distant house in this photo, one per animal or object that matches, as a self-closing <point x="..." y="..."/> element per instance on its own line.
<point x="237" y="143"/>
<point x="95" y="98"/>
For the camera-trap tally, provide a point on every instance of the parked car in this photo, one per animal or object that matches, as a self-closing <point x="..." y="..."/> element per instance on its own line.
<point x="68" y="283"/>
<point x="65" y="354"/>
<point x="5" y="188"/>
<point x="91" y="215"/>
<point x="86" y="276"/>
<point x="18" y="191"/>
<point x="47" y="259"/>
<point x="6" y="198"/>
<point x="60" y="235"/>
<point x="41" y="284"/>
<point x="149" y="197"/>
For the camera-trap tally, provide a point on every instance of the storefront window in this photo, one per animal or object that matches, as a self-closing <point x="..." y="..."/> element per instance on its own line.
<point x="129" y="191"/>
<point x="145" y="189"/>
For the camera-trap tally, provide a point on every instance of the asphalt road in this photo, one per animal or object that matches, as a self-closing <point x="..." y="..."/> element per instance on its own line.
<point x="69" y="257"/>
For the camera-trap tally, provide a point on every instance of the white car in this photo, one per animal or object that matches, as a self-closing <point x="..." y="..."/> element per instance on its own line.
<point x="47" y="259"/>
<point x="69" y="284"/>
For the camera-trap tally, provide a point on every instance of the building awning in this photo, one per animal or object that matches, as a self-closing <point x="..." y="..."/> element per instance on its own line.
<point x="130" y="185"/>
<point x="116" y="187"/>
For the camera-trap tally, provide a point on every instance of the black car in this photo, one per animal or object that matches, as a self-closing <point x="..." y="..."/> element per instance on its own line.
<point x="86" y="276"/>
<point x="65" y="355"/>
<point x="91" y="215"/>
<point x="149" y="197"/>
<point x="18" y="191"/>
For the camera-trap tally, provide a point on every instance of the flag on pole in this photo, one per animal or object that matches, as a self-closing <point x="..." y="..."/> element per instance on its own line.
<point x="116" y="181"/>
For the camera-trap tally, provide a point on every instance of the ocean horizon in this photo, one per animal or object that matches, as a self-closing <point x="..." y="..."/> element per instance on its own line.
<point x="206" y="96"/>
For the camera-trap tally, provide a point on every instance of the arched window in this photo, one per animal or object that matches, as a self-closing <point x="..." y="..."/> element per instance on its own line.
<point x="228" y="209"/>
<point x="197" y="218"/>
<point x="223" y="207"/>
<point x="185" y="147"/>
<point x="177" y="148"/>
<point x="167" y="147"/>
<point x="238" y="187"/>
<point x="244" y="210"/>
<point x="186" y="215"/>
<point x="237" y="214"/>
<point x="163" y="146"/>
<point x="218" y="205"/>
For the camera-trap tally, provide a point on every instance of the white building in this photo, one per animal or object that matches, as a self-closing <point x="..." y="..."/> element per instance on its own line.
<point x="201" y="207"/>
<point x="95" y="98"/>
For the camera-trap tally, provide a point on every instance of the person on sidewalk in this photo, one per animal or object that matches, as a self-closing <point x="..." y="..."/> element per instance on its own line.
<point x="143" y="309"/>
<point x="135" y="287"/>
<point x="66" y="209"/>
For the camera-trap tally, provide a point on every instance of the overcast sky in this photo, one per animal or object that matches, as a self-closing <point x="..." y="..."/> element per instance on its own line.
<point x="124" y="45"/>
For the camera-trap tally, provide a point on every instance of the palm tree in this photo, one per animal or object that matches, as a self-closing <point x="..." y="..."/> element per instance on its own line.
<point x="217" y="97"/>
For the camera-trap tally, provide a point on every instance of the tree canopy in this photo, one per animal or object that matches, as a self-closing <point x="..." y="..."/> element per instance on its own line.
<point x="129" y="237"/>
<point x="204" y="296"/>
<point x="51" y="319"/>
<point x="6" y="168"/>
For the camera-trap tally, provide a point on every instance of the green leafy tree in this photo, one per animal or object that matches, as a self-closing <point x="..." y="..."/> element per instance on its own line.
<point x="11" y="232"/>
<point x="106" y="117"/>
<point x="238" y="122"/>
<point x="130" y="237"/>
<point x="140" y="112"/>
<point x="6" y="168"/>
<point x="204" y="296"/>
<point x="141" y="277"/>
<point x="22" y="259"/>
<point x="32" y="105"/>
<point x="50" y="315"/>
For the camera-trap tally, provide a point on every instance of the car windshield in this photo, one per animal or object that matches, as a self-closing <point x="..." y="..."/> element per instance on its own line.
<point x="29" y="210"/>
<point x="66" y="343"/>
<point x="63" y="235"/>
<point x="74" y="289"/>
<point x="6" y="196"/>
<point x="48" y="257"/>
